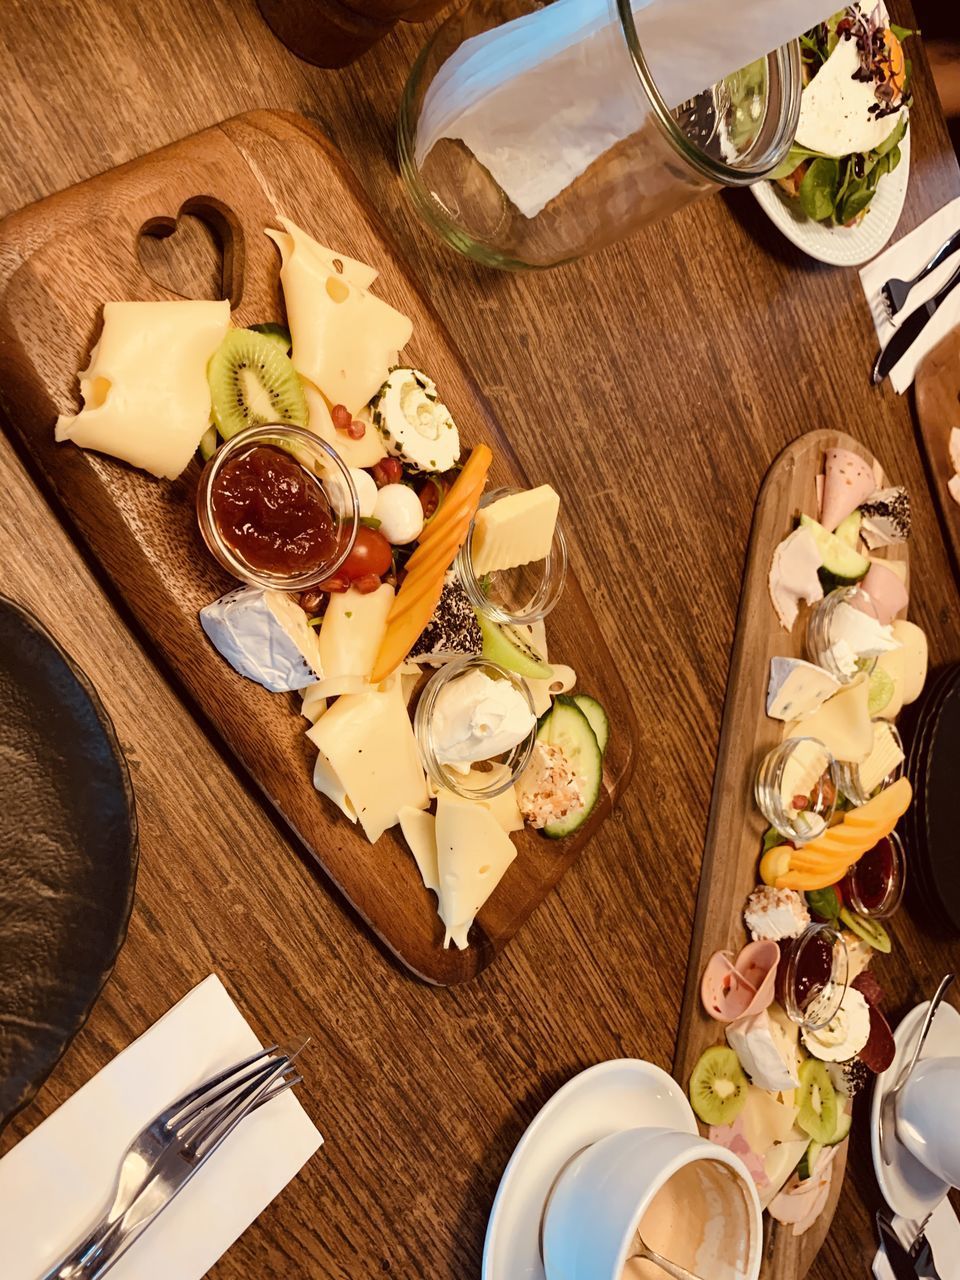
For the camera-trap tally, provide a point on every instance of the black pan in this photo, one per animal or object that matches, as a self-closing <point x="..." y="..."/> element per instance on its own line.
<point x="68" y="853"/>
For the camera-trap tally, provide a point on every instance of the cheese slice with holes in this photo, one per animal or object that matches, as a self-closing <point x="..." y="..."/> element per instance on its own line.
<point x="473" y="853"/>
<point x="420" y="832"/>
<point x="367" y="744"/>
<point x="504" y="807"/>
<point x="146" y="399"/>
<point x="306" y="262"/>
<point x="365" y="452"/>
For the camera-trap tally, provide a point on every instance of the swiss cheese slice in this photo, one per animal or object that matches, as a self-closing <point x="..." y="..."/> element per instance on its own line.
<point x="352" y="630"/>
<point x="366" y="740"/>
<point x="473" y="853"/>
<point x="504" y="807"/>
<point x="515" y="530"/>
<point x="146" y="396"/>
<point x="305" y="263"/>
<point x="420" y="832"/>
<point x="365" y="452"/>
<point x="842" y="724"/>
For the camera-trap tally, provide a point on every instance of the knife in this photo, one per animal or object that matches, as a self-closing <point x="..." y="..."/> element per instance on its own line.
<point x="908" y="332"/>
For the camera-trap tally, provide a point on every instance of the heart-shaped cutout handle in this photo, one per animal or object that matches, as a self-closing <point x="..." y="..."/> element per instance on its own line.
<point x="196" y="255"/>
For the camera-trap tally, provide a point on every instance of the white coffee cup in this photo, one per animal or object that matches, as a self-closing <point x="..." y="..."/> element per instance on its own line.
<point x="928" y="1117"/>
<point x="710" y="1222"/>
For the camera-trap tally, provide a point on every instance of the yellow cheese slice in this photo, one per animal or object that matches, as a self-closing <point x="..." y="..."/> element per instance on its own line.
<point x="915" y="658"/>
<point x="352" y="631"/>
<point x="884" y="757"/>
<point x="365" y="452"/>
<point x="765" y="1120"/>
<point x="329" y="783"/>
<point x="146" y="395"/>
<point x="504" y="807"/>
<point x="842" y="723"/>
<point x="779" y="1162"/>
<point x="473" y="852"/>
<point x="420" y="832"/>
<point x="542" y="691"/>
<point x="305" y="263"/>
<point x="515" y="530"/>
<point x="314" y="703"/>
<point x="367" y="742"/>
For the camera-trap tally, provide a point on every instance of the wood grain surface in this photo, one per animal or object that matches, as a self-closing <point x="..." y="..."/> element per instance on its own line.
<point x="234" y="179"/>
<point x="937" y="388"/>
<point x="656" y="382"/>
<point x="736" y="826"/>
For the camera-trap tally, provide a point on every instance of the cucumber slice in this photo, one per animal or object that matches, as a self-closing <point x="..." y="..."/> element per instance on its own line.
<point x="599" y="720"/>
<point x="848" y="530"/>
<point x="209" y="443"/>
<point x="809" y="1162"/>
<point x="844" y="1122"/>
<point x="566" y="727"/>
<point x="842" y="566"/>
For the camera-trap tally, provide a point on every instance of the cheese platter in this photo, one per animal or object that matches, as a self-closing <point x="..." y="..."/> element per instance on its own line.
<point x="782" y="1022"/>
<point x="302" y="497"/>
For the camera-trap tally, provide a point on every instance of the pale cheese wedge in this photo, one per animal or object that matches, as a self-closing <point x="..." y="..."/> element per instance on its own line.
<point x="368" y="745"/>
<point x="842" y="724"/>
<point x="915" y="657"/>
<point x="352" y="631"/>
<point x="504" y="806"/>
<point x="305" y="263"/>
<point x="420" y="832"/>
<point x="473" y="853"/>
<point x="145" y="393"/>
<point x="365" y="452"/>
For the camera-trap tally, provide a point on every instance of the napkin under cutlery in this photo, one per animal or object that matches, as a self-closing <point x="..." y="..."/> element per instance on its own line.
<point x="55" y="1181"/>
<point x="903" y="260"/>
<point x="943" y="1233"/>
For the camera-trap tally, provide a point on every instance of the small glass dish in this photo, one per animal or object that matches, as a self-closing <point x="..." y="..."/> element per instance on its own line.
<point x="825" y="647"/>
<point x="443" y="774"/>
<point x="322" y="464"/>
<point x="798" y="768"/>
<point x="849" y="774"/>
<point x="812" y="976"/>
<point x="874" y="885"/>
<point x="518" y="596"/>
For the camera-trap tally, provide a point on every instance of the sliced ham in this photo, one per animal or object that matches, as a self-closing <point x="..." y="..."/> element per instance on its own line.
<point x="732" y="989"/>
<point x="848" y="480"/>
<point x="793" y="575"/>
<point x="818" y="1206"/>
<point x="887" y="593"/>
<point x="799" y="1204"/>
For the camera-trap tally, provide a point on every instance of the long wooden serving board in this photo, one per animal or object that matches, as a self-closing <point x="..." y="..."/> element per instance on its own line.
<point x="736" y="826"/>
<point x="60" y="260"/>
<point x="937" y="390"/>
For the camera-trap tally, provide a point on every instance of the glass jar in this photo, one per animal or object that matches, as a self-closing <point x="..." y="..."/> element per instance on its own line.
<point x="874" y="885"/>
<point x="849" y="774"/>
<point x="323" y="466"/>
<point x="812" y="976"/>
<point x="442" y="773"/>
<point x="799" y="769"/>
<point x="518" y="596"/>
<point x="531" y="134"/>
<point x="824" y="640"/>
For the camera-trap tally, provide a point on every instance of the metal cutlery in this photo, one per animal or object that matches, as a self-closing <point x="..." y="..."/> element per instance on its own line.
<point x="910" y="330"/>
<point x="915" y="1263"/>
<point x="887" y="1117"/>
<point x="646" y="1254"/>
<point x="895" y="292"/>
<point x="166" y="1154"/>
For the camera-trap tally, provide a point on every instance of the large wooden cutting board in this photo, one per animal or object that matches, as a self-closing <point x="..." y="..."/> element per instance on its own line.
<point x="937" y="390"/>
<point x="736" y="826"/>
<point x="60" y="260"/>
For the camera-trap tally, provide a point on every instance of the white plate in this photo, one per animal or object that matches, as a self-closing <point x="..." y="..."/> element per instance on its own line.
<point x="908" y="1188"/>
<point x="625" y="1093"/>
<point x="842" y="246"/>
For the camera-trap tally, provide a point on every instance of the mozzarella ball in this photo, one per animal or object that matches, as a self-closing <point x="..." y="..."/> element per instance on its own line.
<point x="400" y="514"/>
<point x="339" y="498"/>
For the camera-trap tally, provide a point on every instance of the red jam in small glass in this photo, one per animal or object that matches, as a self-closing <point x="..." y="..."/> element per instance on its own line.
<point x="273" y="513"/>
<point x="874" y="885"/>
<point x="812" y="975"/>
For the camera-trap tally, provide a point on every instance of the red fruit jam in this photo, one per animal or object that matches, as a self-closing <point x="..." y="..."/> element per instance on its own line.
<point x="805" y="968"/>
<point x="874" y="884"/>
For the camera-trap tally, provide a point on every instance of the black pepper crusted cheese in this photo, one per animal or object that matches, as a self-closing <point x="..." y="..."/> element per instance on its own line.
<point x="886" y="517"/>
<point x="453" y="629"/>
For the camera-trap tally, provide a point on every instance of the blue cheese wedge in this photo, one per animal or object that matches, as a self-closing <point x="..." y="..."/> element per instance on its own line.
<point x="264" y="635"/>
<point x="413" y="423"/>
<point x="797" y="688"/>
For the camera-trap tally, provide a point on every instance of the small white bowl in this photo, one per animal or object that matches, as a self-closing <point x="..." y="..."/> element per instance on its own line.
<point x="602" y="1198"/>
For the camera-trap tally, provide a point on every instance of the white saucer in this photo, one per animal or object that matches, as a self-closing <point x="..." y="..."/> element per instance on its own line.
<point x="841" y="246"/>
<point x="908" y="1188"/>
<point x="625" y="1093"/>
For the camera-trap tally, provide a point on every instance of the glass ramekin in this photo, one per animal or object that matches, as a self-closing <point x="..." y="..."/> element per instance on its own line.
<point x="893" y="896"/>
<point x="849" y="774"/>
<point x="317" y="458"/>
<point x="514" y="596"/>
<point x="513" y="762"/>
<point x="816" y="1005"/>
<point x="819" y="639"/>
<point x="768" y="790"/>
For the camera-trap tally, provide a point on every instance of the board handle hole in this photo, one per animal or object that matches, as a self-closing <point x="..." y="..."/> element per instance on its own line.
<point x="198" y="254"/>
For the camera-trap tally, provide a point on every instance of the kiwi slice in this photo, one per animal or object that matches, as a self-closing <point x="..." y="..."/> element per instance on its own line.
<point x="871" y="931"/>
<point x="507" y="646"/>
<point x="718" y="1087"/>
<point x="252" y="383"/>
<point x="209" y="443"/>
<point x="817" y="1101"/>
<point x="277" y="333"/>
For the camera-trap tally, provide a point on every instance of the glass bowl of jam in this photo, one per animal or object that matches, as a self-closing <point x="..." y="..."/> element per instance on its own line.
<point x="874" y="885"/>
<point x="812" y="976"/>
<point x="278" y="508"/>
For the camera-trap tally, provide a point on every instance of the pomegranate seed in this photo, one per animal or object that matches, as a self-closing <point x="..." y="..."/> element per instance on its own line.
<point x="387" y="471"/>
<point x="334" y="585"/>
<point x="357" y="430"/>
<point x="342" y="417"/>
<point x="368" y="583"/>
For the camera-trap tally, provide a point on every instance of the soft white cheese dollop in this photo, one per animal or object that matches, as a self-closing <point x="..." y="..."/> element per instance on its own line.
<point x="476" y="718"/>
<point x="845" y="1034"/>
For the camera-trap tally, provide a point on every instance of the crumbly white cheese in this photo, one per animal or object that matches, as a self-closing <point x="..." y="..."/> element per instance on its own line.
<point x="548" y="789"/>
<point x="772" y="914"/>
<point x="414" y="424"/>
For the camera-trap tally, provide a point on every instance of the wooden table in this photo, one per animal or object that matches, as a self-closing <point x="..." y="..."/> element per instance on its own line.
<point x="655" y="383"/>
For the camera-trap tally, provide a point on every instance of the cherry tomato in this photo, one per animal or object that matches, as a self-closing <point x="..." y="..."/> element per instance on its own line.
<point x="370" y="554"/>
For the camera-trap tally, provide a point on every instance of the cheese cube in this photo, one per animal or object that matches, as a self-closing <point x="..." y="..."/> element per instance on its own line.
<point x="797" y="688"/>
<point x="515" y="530"/>
<point x="265" y="636"/>
<point x="473" y="853"/>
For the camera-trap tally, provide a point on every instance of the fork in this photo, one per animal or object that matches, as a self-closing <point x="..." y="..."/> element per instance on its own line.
<point x="189" y="1130"/>
<point x="895" y="292"/>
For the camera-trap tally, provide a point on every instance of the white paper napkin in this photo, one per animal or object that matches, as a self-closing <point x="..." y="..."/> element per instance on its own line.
<point x="943" y="1233"/>
<point x="902" y="261"/>
<point x="56" y="1181"/>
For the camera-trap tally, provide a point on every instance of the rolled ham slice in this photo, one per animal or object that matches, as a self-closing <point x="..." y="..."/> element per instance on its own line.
<point x="732" y="989"/>
<point x="887" y="593"/>
<point x="847" y="481"/>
